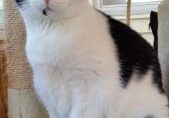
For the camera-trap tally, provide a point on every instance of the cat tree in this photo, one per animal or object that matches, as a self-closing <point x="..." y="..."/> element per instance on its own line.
<point x="3" y="81"/>
<point x="164" y="41"/>
<point x="22" y="102"/>
<point x="128" y="14"/>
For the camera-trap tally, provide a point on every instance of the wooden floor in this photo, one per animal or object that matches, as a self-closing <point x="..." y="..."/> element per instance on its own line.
<point x="3" y="82"/>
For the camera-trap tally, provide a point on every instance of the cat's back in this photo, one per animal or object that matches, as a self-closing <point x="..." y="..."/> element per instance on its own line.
<point x="140" y="73"/>
<point x="135" y="54"/>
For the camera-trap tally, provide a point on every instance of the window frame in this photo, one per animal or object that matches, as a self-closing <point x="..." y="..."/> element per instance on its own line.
<point x="2" y="34"/>
<point x="1" y="20"/>
<point x="1" y="15"/>
<point x="138" y="8"/>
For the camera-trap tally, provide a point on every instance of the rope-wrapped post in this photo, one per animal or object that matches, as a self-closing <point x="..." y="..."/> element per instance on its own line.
<point x="22" y="102"/>
<point x="128" y="16"/>
<point x="163" y="33"/>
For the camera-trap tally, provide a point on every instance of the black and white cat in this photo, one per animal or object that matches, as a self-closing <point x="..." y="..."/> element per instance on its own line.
<point x="88" y="65"/>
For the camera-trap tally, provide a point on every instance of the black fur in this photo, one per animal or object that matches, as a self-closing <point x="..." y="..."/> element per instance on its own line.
<point x="154" y="28"/>
<point x="19" y="2"/>
<point x="44" y="12"/>
<point x="135" y="54"/>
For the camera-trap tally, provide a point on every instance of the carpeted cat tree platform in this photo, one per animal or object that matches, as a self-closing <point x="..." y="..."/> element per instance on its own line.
<point x="163" y="31"/>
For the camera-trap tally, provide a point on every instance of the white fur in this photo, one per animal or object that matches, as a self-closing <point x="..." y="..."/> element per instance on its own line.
<point x="76" y="67"/>
<point x="142" y="99"/>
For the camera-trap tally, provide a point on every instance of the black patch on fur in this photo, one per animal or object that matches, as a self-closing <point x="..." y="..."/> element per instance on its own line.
<point x="44" y="12"/>
<point x="135" y="53"/>
<point x="19" y="2"/>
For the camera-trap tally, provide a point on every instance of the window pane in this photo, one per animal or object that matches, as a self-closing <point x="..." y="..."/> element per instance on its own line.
<point x="144" y="0"/>
<point x="1" y="4"/>
<point x="111" y="2"/>
<point x="1" y="17"/>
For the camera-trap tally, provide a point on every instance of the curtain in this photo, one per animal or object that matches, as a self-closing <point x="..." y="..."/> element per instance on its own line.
<point x="163" y="33"/>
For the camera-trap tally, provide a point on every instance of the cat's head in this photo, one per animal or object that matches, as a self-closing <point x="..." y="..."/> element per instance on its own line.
<point x="52" y="9"/>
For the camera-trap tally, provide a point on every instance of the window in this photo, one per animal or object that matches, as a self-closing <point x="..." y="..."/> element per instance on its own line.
<point x="1" y="13"/>
<point x="1" y="21"/>
<point x="1" y="4"/>
<point x="139" y="16"/>
<point x="144" y="0"/>
<point x="118" y="7"/>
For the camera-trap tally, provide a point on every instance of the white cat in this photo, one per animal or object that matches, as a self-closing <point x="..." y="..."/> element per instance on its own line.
<point x="88" y="65"/>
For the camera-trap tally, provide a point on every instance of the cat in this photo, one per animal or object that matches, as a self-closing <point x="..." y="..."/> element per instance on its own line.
<point x="88" y="65"/>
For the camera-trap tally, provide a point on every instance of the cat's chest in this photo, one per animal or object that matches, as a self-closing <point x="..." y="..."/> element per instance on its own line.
<point x="49" y="46"/>
<point x="76" y="89"/>
<point x="56" y="46"/>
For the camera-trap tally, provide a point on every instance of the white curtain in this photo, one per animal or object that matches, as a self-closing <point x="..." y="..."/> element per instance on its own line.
<point x="164" y="41"/>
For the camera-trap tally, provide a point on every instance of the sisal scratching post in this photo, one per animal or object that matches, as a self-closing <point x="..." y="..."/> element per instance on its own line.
<point x="128" y="16"/>
<point x="164" y="41"/>
<point x="22" y="102"/>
